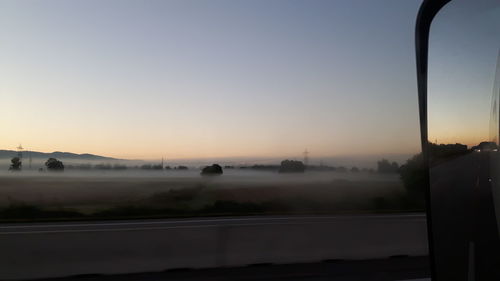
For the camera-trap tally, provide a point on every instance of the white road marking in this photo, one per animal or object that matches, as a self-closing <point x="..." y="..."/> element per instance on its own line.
<point x="153" y="228"/>
<point x="471" y="274"/>
<point x="41" y="225"/>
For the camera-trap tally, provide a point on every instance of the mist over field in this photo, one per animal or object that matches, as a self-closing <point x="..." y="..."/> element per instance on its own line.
<point x="94" y="190"/>
<point x="98" y="186"/>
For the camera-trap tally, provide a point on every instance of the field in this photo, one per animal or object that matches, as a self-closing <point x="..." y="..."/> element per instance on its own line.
<point x="185" y="193"/>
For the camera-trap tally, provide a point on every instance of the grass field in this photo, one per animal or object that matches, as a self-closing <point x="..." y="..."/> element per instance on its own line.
<point x="118" y="194"/>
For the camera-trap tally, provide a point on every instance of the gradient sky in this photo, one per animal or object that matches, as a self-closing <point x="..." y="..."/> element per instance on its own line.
<point x="463" y="50"/>
<point x="218" y="78"/>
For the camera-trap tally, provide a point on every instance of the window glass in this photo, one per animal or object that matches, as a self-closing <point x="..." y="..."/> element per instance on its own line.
<point x="121" y="109"/>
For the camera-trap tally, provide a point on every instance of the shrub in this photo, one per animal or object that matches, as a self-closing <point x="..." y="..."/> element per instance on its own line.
<point x="215" y="169"/>
<point x="53" y="164"/>
<point x="292" y="166"/>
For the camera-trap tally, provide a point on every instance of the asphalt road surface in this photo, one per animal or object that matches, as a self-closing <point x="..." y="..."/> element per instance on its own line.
<point x="401" y="268"/>
<point x="47" y="250"/>
<point x="465" y="234"/>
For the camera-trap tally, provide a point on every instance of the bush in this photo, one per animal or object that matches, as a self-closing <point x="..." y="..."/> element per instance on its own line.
<point x="119" y="167"/>
<point x="28" y="212"/>
<point x="292" y="166"/>
<point x="103" y="167"/>
<point x="215" y="169"/>
<point x="53" y="164"/>
<point x="385" y="167"/>
<point x="443" y="152"/>
<point x="146" y="167"/>
<point x="413" y="176"/>
<point x="15" y="164"/>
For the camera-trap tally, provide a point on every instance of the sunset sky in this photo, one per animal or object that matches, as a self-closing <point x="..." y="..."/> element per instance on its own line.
<point x="219" y="78"/>
<point x="463" y="50"/>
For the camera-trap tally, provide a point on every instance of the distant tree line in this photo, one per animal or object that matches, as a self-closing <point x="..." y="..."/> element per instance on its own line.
<point x="318" y="168"/>
<point x="386" y="167"/>
<point x="413" y="172"/>
<point x="52" y="164"/>
<point x="121" y="167"/>
<point x="292" y="166"/>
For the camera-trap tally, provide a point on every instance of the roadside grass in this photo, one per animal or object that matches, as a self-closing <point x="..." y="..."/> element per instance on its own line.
<point x="61" y="199"/>
<point x="25" y="213"/>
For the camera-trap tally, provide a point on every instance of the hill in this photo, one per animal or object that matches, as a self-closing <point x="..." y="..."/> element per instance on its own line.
<point x="7" y="154"/>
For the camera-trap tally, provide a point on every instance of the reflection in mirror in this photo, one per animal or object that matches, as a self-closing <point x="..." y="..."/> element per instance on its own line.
<point x="463" y="123"/>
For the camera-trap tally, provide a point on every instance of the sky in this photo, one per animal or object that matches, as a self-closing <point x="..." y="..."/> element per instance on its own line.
<point x="463" y="52"/>
<point x="209" y="78"/>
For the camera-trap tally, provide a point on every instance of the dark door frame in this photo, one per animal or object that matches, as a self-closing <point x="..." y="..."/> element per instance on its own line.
<point x="426" y="14"/>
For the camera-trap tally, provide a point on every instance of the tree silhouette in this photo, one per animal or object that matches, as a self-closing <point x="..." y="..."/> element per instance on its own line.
<point x="413" y="176"/>
<point x="53" y="164"/>
<point x="215" y="169"/>
<point x="292" y="166"/>
<point x="384" y="166"/>
<point x="413" y="172"/>
<point x="16" y="164"/>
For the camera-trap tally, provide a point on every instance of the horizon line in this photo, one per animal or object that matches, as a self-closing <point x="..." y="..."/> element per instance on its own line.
<point x="260" y="157"/>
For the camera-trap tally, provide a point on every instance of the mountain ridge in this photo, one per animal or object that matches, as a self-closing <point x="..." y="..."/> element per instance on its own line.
<point x="56" y="154"/>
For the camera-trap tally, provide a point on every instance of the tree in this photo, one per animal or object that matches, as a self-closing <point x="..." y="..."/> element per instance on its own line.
<point x="439" y="153"/>
<point x="16" y="164"/>
<point x="215" y="169"/>
<point x="413" y="172"/>
<point x="341" y="169"/>
<point x="119" y="167"/>
<point x="157" y="167"/>
<point x="413" y="176"/>
<point x="292" y="166"/>
<point x="53" y="164"/>
<point x="102" y="167"/>
<point x="386" y="167"/>
<point x="146" y="167"/>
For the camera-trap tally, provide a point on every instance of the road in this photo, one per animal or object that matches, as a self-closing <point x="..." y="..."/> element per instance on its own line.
<point x="45" y="250"/>
<point x="395" y="269"/>
<point x="465" y="234"/>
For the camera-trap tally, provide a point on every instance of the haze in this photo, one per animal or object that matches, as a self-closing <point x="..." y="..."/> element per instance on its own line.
<point x="222" y="78"/>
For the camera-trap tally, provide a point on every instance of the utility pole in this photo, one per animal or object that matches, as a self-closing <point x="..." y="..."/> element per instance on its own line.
<point x="20" y="152"/>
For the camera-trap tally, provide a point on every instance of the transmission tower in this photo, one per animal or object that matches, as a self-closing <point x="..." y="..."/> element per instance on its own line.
<point x="20" y="152"/>
<point x="306" y="157"/>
